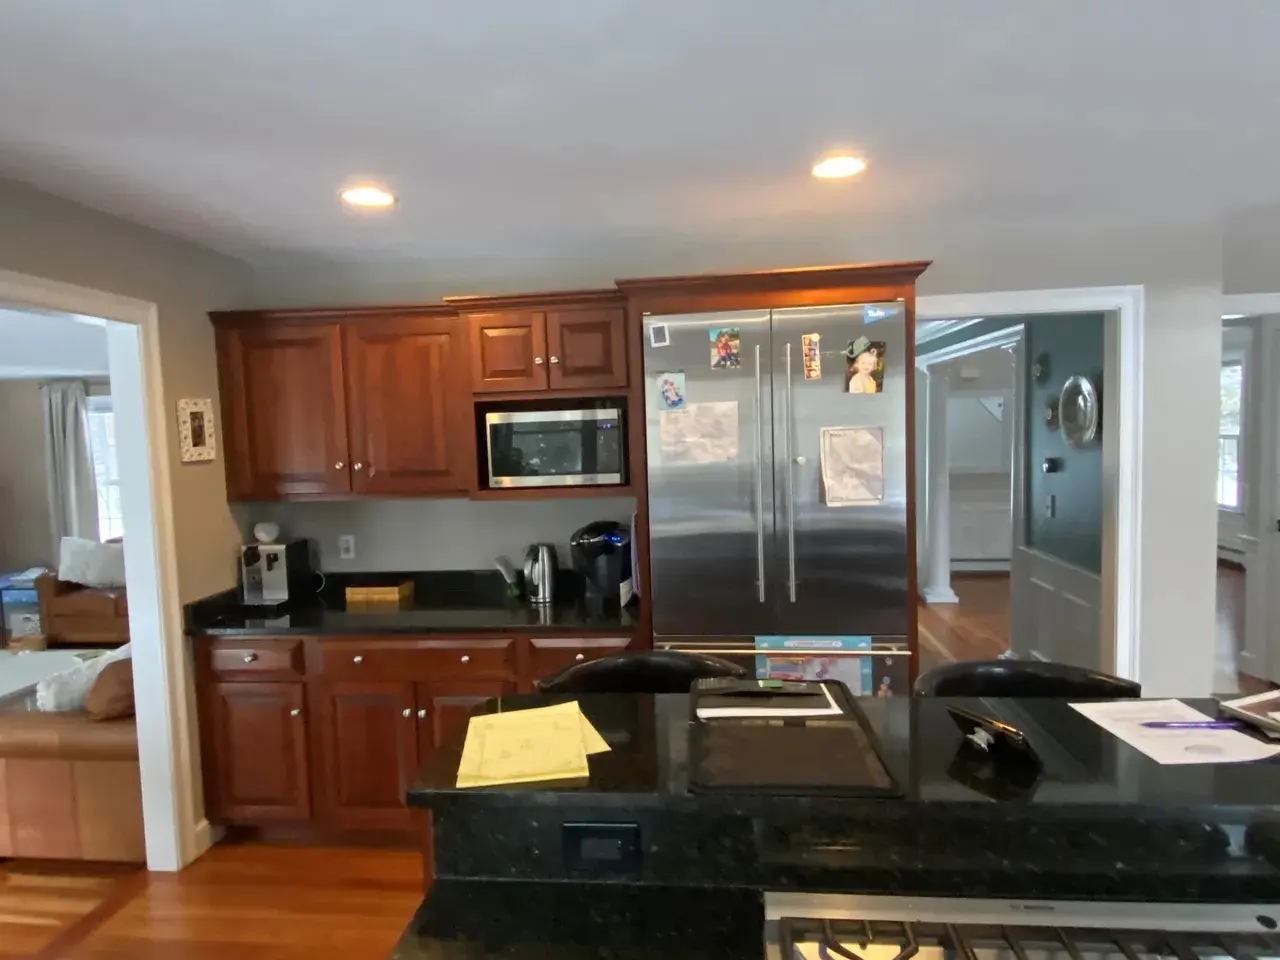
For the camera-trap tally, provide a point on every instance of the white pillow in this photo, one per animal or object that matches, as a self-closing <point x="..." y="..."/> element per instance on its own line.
<point x="91" y="563"/>
<point x="66" y="690"/>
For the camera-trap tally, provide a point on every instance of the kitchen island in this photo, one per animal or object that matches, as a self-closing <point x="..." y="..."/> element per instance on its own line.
<point x="567" y="867"/>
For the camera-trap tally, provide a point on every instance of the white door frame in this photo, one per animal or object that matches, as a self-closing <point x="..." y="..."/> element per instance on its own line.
<point x="176" y="832"/>
<point x="1122" y="379"/>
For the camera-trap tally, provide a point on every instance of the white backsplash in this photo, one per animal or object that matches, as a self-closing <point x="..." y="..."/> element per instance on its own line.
<point x="433" y="534"/>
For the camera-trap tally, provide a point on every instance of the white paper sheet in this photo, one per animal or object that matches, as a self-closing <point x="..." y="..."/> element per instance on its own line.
<point x="852" y="466"/>
<point x="699" y="433"/>
<point x="1125" y="719"/>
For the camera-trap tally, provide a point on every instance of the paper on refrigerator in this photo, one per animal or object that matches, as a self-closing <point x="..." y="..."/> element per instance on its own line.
<point x="699" y="433"/>
<point x="1125" y="719"/>
<point x="852" y="466"/>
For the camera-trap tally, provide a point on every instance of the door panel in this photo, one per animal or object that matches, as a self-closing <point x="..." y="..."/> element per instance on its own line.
<point x="369" y="742"/>
<point x="259" y="744"/>
<point x="408" y="425"/>
<point x="850" y="562"/>
<point x="508" y="351"/>
<point x="710" y="502"/>
<point x="444" y="708"/>
<point x="587" y="349"/>
<point x="284" y="410"/>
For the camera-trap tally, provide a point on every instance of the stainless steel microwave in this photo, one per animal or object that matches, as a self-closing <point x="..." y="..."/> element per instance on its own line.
<point x="555" y="448"/>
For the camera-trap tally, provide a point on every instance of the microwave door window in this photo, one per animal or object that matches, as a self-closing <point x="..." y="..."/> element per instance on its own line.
<point x="539" y="450"/>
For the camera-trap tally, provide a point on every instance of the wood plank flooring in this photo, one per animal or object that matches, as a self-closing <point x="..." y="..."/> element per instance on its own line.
<point x="261" y="902"/>
<point x="41" y="902"/>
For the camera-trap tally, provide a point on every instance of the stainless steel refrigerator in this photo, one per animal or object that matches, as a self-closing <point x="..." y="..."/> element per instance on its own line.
<point x="749" y="535"/>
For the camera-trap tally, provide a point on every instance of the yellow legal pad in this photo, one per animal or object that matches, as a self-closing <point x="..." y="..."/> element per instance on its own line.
<point x="524" y="746"/>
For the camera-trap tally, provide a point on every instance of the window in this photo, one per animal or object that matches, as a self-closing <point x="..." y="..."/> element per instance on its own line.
<point x="106" y="470"/>
<point x="1230" y="406"/>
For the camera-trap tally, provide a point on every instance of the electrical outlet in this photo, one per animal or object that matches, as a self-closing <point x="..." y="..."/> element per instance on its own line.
<point x="347" y="547"/>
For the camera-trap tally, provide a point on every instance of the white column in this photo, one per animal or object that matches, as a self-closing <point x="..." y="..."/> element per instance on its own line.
<point x="937" y="583"/>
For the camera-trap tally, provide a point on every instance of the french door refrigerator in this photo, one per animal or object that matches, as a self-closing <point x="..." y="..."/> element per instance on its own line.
<point x="769" y="514"/>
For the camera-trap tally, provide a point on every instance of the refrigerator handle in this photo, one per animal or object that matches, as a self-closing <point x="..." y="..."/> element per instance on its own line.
<point x="759" y="479"/>
<point x="791" y="500"/>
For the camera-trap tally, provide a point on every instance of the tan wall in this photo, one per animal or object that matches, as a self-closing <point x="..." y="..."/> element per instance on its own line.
<point x="26" y="530"/>
<point x="48" y="237"/>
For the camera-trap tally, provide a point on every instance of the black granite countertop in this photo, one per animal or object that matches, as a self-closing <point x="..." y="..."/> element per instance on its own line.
<point x="1102" y="820"/>
<point x="446" y="602"/>
<point x="566" y="921"/>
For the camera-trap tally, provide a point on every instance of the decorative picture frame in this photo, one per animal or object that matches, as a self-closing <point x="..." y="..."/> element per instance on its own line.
<point x="197" y="437"/>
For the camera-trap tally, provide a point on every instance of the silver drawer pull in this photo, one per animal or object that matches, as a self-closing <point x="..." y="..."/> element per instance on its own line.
<point x="555" y="359"/>
<point x="466" y="658"/>
<point x="422" y="714"/>
<point x="339" y="465"/>
<point x="357" y="467"/>
<point x="295" y="712"/>
<point x="580" y="657"/>
<point x="407" y="713"/>
<point x="250" y="657"/>
<point x="537" y="361"/>
<point x="357" y="659"/>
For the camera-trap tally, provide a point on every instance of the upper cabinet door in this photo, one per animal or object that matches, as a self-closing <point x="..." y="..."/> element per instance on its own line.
<point x="283" y="410"/>
<point x="508" y="351"/>
<point x="408" y="406"/>
<point x="587" y="349"/>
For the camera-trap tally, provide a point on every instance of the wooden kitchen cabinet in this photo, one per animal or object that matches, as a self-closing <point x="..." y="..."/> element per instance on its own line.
<point x="408" y="414"/>
<point x="508" y="351"/>
<point x="368" y="742"/>
<point x="284" y="414"/>
<point x="586" y="349"/>
<point x="257" y="733"/>
<point x="444" y="706"/>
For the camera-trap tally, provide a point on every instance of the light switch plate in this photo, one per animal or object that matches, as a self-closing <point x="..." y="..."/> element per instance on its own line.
<point x="347" y="547"/>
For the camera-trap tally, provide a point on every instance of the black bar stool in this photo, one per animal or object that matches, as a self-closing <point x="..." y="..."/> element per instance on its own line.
<point x="1022" y="678"/>
<point x="642" y="671"/>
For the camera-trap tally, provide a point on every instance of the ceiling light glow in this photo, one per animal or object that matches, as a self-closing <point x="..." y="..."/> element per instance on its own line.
<point x="839" y="166"/>
<point x="367" y="196"/>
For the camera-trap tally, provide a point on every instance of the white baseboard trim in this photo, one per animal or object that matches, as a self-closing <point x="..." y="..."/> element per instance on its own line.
<point x="939" y="595"/>
<point x="205" y="836"/>
<point x="981" y="566"/>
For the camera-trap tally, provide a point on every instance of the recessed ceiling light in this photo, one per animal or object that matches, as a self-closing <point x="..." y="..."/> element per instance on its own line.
<point x="366" y="196"/>
<point x="839" y="166"/>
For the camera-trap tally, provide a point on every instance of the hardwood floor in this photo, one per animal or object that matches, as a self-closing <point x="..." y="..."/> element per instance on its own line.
<point x="44" y="903"/>
<point x="260" y="902"/>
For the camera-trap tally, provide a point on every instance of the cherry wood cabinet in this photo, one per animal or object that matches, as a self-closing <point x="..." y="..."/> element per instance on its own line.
<point x="508" y="351"/>
<point x="444" y="706"/>
<point x="283" y="410"/>
<point x="368" y="740"/>
<point x="255" y="735"/>
<point x="586" y="349"/>
<point x="408" y="414"/>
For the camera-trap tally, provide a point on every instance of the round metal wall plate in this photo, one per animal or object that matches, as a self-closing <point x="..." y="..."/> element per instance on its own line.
<point x="1079" y="412"/>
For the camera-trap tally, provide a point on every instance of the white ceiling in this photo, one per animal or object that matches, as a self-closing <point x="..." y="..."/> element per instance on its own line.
<point x="38" y="346"/>
<point x="566" y="127"/>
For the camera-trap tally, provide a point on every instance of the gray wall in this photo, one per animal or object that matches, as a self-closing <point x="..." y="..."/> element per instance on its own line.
<point x="433" y="534"/>
<point x="1074" y="344"/>
<point x="26" y="530"/>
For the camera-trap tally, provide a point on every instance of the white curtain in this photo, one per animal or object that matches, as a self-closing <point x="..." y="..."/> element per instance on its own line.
<point x="73" y="493"/>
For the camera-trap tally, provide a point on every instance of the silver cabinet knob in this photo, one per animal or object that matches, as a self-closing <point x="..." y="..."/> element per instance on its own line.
<point x="537" y="361"/>
<point x="422" y="714"/>
<point x="357" y="467"/>
<point x="466" y="658"/>
<point x="407" y="712"/>
<point x="555" y="359"/>
<point x="800" y="461"/>
<point x="357" y="659"/>
<point x="250" y="657"/>
<point x="339" y="465"/>
<point x="295" y="712"/>
<point x="580" y="657"/>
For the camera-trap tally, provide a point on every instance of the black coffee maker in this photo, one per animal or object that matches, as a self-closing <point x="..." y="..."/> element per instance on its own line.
<point x="601" y="554"/>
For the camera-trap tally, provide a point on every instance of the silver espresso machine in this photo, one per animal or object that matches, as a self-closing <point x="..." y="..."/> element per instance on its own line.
<point x="274" y="573"/>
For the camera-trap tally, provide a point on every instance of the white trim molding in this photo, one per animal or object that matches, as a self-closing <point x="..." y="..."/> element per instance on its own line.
<point x="1122" y="508"/>
<point x="171" y="822"/>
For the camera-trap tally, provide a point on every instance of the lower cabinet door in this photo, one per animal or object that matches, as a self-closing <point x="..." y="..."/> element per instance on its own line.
<point x="369" y="741"/>
<point x="257" y="732"/>
<point x="445" y="705"/>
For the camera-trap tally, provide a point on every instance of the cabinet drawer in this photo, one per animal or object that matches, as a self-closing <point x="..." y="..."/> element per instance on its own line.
<point x="257" y="659"/>
<point x="417" y="659"/>
<point x="550" y="654"/>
